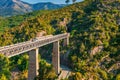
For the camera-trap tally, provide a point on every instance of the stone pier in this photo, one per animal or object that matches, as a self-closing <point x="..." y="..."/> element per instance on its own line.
<point x="33" y="64"/>
<point x="56" y="57"/>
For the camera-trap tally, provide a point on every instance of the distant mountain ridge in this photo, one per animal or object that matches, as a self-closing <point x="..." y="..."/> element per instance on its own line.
<point x="47" y="5"/>
<point x="15" y="7"/>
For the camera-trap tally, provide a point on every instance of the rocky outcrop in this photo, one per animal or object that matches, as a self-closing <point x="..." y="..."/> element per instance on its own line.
<point x="63" y="22"/>
<point x="96" y="50"/>
<point x="40" y="34"/>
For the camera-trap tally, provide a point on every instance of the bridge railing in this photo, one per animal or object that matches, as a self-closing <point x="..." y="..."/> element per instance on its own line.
<point x="19" y="48"/>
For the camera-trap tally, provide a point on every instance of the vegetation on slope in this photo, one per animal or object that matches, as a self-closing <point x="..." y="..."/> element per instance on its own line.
<point x="10" y="22"/>
<point x="94" y="43"/>
<point x="4" y="68"/>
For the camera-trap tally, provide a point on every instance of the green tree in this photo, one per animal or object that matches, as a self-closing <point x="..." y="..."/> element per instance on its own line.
<point x="67" y="1"/>
<point x="46" y="71"/>
<point x="103" y="74"/>
<point x="3" y="77"/>
<point x="23" y="62"/>
<point x="76" y="76"/>
<point x="4" y="68"/>
<point x="73" y="1"/>
<point x="118" y="77"/>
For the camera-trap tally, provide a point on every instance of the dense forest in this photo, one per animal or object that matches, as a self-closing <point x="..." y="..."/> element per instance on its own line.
<point x="94" y="26"/>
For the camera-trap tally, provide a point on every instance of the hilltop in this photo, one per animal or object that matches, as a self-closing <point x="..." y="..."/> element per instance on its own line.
<point x="95" y="36"/>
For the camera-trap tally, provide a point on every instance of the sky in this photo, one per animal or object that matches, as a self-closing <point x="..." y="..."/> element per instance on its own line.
<point x="53" y="1"/>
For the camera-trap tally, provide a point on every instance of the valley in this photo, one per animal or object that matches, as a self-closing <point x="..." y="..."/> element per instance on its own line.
<point x="94" y="49"/>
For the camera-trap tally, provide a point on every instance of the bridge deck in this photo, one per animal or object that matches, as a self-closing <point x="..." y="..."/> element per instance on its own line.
<point x="19" y="48"/>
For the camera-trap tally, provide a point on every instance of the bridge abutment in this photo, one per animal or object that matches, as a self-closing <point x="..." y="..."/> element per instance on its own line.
<point x="56" y="57"/>
<point x="33" y="64"/>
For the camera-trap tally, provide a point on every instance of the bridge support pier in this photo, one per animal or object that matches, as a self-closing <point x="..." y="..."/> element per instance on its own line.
<point x="56" y="57"/>
<point x="33" y="64"/>
<point x="66" y="41"/>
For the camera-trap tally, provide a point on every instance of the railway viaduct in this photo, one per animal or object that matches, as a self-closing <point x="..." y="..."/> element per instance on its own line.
<point x="32" y="47"/>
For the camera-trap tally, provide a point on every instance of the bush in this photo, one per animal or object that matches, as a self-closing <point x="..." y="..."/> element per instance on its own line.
<point x="46" y="71"/>
<point x="118" y="77"/>
<point x="4" y="68"/>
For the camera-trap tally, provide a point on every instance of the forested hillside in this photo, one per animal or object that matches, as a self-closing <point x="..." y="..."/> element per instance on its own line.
<point x="94" y="26"/>
<point x="9" y="22"/>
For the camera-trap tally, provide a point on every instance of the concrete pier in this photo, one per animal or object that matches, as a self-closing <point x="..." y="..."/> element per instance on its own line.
<point x="66" y="41"/>
<point x="56" y="57"/>
<point x="33" y="64"/>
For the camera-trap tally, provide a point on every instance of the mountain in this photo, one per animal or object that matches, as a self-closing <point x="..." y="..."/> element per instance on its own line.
<point x="15" y="7"/>
<point x="94" y="27"/>
<point x="46" y="6"/>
